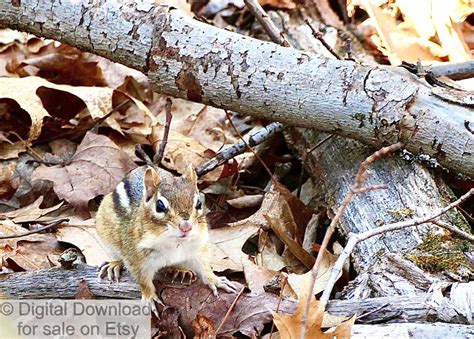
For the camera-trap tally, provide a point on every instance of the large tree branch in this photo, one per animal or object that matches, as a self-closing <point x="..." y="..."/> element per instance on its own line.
<point x="189" y="59"/>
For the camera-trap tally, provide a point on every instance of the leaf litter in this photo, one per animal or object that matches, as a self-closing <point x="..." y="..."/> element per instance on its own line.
<point x="257" y="227"/>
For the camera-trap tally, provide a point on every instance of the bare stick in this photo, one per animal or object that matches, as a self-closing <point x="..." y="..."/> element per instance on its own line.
<point x="239" y="147"/>
<point x="230" y="309"/>
<point x="320" y="37"/>
<point x="248" y="146"/>
<point x="454" y="229"/>
<point x="356" y="186"/>
<point x="267" y="23"/>
<point x="354" y="239"/>
<point x="41" y="229"/>
<point x="161" y="151"/>
<point x="455" y="71"/>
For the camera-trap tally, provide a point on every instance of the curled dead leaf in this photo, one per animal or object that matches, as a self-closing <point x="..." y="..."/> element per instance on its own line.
<point x="96" y="168"/>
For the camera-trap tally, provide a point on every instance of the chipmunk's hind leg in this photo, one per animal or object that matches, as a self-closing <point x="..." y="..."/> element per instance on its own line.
<point x="112" y="269"/>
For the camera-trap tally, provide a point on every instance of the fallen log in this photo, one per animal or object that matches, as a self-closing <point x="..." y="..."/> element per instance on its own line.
<point x="58" y="283"/>
<point x="192" y="60"/>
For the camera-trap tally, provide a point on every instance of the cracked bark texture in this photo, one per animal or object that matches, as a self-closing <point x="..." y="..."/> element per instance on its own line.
<point x="332" y="168"/>
<point x="64" y="284"/>
<point x="192" y="60"/>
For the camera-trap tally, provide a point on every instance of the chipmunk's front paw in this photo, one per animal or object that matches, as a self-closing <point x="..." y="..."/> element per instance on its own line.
<point x="184" y="276"/>
<point x="222" y="283"/>
<point x="112" y="269"/>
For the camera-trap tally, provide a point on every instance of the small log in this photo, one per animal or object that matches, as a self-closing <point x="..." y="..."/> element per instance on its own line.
<point x="64" y="283"/>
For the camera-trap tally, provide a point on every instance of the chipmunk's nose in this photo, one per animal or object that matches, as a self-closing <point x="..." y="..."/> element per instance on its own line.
<point x="185" y="226"/>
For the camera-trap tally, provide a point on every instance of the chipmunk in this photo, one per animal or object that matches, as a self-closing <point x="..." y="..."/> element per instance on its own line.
<point x="154" y="220"/>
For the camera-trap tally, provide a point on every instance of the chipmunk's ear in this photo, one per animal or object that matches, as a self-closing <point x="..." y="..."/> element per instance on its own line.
<point x="190" y="173"/>
<point x="152" y="179"/>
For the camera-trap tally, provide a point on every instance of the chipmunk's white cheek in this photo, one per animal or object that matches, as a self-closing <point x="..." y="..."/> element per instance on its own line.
<point x="159" y="216"/>
<point x="121" y="194"/>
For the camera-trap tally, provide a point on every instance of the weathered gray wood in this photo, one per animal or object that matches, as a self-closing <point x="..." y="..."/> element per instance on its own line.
<point x="413" y="331"/>
<point x="189" y="59"/>
<point x="64" y="284"/>
<point x="332" y="168"/>
<point x="389" y="275"/>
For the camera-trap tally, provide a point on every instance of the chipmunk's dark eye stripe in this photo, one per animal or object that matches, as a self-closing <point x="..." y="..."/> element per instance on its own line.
<point x="198" y="203"/>
<point x="161" y="205"/>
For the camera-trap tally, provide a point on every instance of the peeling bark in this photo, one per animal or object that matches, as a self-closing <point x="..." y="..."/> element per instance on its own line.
<point x="192" y="60"/>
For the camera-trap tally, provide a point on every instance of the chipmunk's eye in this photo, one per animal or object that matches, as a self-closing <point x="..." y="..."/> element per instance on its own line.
<point x="162" y="205"/>
<point x="198" y="203"/>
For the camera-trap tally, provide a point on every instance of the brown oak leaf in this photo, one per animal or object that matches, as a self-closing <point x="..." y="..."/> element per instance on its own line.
<point x="96" y="168"/>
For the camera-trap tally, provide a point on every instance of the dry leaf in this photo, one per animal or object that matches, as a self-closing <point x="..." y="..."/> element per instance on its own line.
<point x="36" y="97"/>
<point x="278" y="4"/>
<point x="226" y="246"/>
<point x="8" y="36"/>
<point x="268" y="256"/>
<point x="96" y="168"/>
<point x="203" y="327"/>
<point x="256" y="276"/>
<point x="249" y="314"/>
<point x="180" y="150"/>
<point x="397" y="44"/>
<point x="291" y="326"/>
<point x="276" y="213"/>
<point x="246" y="201"/>
<point x="11" y="151"/>
<point x="30" y="252"/>
<point x="8" y="183"/>
<point x="31" y="213"/>
<point x="62" y="64"/>
<point x="84" y="236"/>
<point x="431" y="30"/>
<point x="298" y="281"/>
<point x="281" y="204"/>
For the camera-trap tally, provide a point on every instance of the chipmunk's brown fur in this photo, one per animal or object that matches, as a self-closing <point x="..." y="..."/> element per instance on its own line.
<point x="154" y="220"/>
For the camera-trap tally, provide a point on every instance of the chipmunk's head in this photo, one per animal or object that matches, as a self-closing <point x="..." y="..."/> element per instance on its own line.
<point x="174" y="203"/>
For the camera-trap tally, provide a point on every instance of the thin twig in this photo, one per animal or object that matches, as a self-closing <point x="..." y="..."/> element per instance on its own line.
<point x="320" y="37"/>
<point x="30" y="149"/>
<point x="454" y="229"/>
<point x="41" y="229"/>
<point x="161" y="151"/>
<point x="359" y="179"/>
<point x="239" y="147"/>
<point x="354" y="239"/>
<point x="455" y="71"/>
<point x="466" y="214"/>
<point x="230" y="310"/>
<point x="418" y="221"/>
<point x="248" y="146"/>
<point x="272" y="30"/>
